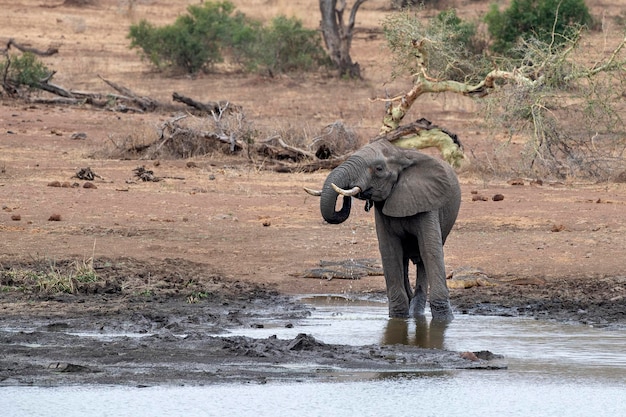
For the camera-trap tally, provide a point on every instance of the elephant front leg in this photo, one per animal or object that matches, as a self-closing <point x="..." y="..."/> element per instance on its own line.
<point x="395" y="267"/>
<point x="396" y="279"/>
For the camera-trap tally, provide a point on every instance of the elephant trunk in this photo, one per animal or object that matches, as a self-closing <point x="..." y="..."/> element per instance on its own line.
<point x="328" y="199"/>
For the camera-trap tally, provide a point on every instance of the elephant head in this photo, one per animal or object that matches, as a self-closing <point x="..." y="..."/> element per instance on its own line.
<point x="405" y="182"/>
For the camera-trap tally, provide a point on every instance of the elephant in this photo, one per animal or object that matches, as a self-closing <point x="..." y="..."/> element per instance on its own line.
<point x="416" y="200"/>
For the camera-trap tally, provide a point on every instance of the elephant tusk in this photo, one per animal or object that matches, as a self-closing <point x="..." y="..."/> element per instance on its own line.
<point x="348" y="193"/>
<point x="315" y="193"/>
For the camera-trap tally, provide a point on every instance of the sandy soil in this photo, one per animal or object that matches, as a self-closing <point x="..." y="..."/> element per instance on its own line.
<point x="222" y="239"/>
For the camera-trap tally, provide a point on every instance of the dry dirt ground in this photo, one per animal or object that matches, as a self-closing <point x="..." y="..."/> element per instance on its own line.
<point x="219" y="241"/>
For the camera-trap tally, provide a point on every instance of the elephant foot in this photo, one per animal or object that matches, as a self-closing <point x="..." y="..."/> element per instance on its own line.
<point x="398" y="314"/>
<point x="418" y="306"/>
<point x="441" y="311"/>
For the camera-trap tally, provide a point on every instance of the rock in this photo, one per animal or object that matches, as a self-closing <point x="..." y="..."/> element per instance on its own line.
<point x="557" y="228"/>
<point x="68" y="367"/>
<point x="304" y="341"/>
<point x="469" y="356"/>
<point x="468" y="277"/>
<point x="497" y="197"/>
<point x="78" y="136"/>
<point x="621" y="177"/>
<point x="516" y="181"/>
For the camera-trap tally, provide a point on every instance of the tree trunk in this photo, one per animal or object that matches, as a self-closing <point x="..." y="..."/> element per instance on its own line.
<point x="338" y="36"/>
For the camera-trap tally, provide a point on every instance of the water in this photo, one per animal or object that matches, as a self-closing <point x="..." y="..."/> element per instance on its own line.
<point x="554" y="370"/>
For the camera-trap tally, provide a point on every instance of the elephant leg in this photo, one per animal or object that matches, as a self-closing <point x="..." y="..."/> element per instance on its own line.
<point x="431" y="252"/>
<point x="418" y="302"/>
<point x="395" y="267"/>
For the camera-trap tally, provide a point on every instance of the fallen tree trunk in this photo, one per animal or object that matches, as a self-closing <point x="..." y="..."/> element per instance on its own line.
<point x="143" y="102"/>
<point x="23" y="48"/>
<point x="211" y="107"/>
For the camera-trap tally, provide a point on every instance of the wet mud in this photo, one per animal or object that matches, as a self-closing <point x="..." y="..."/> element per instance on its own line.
<point x="122" y="331"/>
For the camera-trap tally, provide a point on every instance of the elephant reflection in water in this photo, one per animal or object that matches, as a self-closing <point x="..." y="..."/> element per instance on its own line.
<point x="427" y="335"/>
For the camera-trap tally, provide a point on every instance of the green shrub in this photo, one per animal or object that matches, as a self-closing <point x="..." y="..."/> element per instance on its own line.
<point x="209" y="32"/>
<point x="25" y="69"/>
<point x="284" y="46"/>
<point x="196" y="40"/>
<point x="535" y="18"/>
<point x="459" y="30"/>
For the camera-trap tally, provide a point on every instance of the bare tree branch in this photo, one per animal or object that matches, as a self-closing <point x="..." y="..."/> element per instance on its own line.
<point x="50" y="51"/>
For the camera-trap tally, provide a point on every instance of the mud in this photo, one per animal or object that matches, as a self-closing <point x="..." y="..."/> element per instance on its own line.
<point x="108" y="335"/>
<point x="115" y="333"/>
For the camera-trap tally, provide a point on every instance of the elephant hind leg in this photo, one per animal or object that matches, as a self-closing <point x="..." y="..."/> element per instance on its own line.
<point x="418" y="302"/>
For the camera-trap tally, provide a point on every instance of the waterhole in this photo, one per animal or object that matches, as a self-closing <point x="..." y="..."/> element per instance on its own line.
<point x="554" y="369"/>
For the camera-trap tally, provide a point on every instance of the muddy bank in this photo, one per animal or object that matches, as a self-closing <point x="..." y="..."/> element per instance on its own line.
<point x="596" y="301"/>
<point x="146" y="323"/>
<point x="157" y="322"/>
<point x="44" y="358"/>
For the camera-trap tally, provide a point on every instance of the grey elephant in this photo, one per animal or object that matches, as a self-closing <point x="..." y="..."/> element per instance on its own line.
<point x="416" y="199"/>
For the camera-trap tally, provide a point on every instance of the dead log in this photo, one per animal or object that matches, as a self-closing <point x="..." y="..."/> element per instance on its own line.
<point x="276" y="148"/>
<point x="423" y="134"/>
<point x="281" y="166"/>
<point x="211" y="107"/>
<point x="144" y="103"/>
<point x="23" y="48"/>
<point x="55" y="89"/>
<point x="58" y="100"/>
<point x="415" y="128"/>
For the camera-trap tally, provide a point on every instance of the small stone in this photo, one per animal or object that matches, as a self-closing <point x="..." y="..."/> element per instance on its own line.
<point x="557" y="228"/>
<point x="516" y="181"/>
<point x="54" y="218"/>
<point x="16" y="217"/>
<point x="78" y="136"/>
<point x="497" y="197"/>
<point x="54" y="184"/>
<point x="89" y="185"/>
<point x="469" y="356"/>
<point x="479" y="197"/>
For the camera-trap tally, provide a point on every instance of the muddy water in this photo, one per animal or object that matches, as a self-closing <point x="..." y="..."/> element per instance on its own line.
<point x="554" y="370"/>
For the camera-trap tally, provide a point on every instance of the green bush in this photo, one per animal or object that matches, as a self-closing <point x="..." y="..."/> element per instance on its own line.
<point x="284" y="46"/>
<point x="535" y="18"/>
<point x="196" y="40"/>
<point x="25" y="69"/>
<point x="459" y="30"/>
<point x="213" y="31"/>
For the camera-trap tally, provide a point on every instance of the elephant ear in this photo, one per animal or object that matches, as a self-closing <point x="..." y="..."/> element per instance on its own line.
<point x="423" y="186"/>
